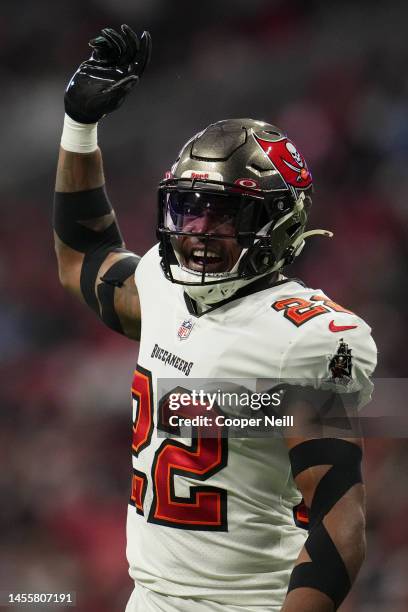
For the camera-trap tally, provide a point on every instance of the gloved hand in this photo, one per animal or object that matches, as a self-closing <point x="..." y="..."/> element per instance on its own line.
<point x="102" y="82"/>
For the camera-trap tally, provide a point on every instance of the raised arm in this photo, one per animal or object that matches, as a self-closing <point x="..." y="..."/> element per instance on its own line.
<point x="93" y="262"/>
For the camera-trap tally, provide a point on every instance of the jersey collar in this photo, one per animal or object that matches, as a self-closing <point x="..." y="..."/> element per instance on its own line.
<point x="266" y="282"/>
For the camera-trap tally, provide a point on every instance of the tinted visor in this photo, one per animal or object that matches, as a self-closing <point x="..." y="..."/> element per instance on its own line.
<point x="209" y="213"/>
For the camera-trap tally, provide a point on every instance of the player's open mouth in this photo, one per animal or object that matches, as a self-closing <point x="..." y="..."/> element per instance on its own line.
<point x="211" y="260"/>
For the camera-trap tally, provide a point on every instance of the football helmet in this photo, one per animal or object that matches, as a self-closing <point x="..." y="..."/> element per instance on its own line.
<point x="234" y="207"/>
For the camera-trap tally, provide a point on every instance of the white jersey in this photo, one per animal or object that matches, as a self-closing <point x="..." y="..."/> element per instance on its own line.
<point x="212" y="519"/>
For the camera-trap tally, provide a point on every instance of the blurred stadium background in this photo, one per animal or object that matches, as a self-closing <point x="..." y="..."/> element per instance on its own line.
<point x="334" y="75"/>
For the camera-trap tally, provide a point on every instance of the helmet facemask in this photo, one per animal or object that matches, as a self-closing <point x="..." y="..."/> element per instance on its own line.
<point x="213" y="233"/>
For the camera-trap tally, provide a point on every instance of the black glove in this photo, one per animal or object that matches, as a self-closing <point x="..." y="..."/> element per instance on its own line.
<point x="100" y="84"/>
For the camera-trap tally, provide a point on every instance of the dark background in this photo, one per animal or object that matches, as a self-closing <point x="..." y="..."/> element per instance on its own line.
<point x="334" y="76"/>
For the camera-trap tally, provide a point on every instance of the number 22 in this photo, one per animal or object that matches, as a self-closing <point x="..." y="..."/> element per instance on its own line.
<point x="206" y="506"/>
<point x="299" y="311"/>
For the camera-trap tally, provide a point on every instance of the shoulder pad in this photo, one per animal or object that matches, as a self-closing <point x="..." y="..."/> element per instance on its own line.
<point x="333" y="347"/>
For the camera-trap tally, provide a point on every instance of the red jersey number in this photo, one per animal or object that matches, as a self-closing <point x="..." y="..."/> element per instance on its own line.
<point x="298" y="311"/>
<point x="206" y="506"/>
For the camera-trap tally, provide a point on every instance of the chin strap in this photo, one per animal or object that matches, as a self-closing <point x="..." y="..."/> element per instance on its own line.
<point x="298" y="245"/>
<point x="316" y="232"/>
<point x="299" y="242"/>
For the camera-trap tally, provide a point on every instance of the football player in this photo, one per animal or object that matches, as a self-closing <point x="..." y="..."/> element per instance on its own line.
<point x="211" y="525"/>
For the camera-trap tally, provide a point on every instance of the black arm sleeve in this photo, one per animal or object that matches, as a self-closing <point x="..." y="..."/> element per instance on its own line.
<point x="73" y="215"/>
<point x="114" y="277"/>
<point x="326" y="571"/>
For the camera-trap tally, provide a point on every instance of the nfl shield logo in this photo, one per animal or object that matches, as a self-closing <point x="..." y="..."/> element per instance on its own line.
<point x="185" y="329"/>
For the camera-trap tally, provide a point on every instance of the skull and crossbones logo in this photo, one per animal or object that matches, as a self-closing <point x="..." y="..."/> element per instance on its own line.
<point x="294" y="153"/>
<point x="300" y="169"/>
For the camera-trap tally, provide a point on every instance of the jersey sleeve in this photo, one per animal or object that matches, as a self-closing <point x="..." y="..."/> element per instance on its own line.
<point x="341" y="361"/>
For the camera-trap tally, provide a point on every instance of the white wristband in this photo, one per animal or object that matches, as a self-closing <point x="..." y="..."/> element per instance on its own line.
<point x="79" y="137"/>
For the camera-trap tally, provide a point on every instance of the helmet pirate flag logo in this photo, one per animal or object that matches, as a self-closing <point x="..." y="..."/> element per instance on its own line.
<point x="288" y="161"/>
